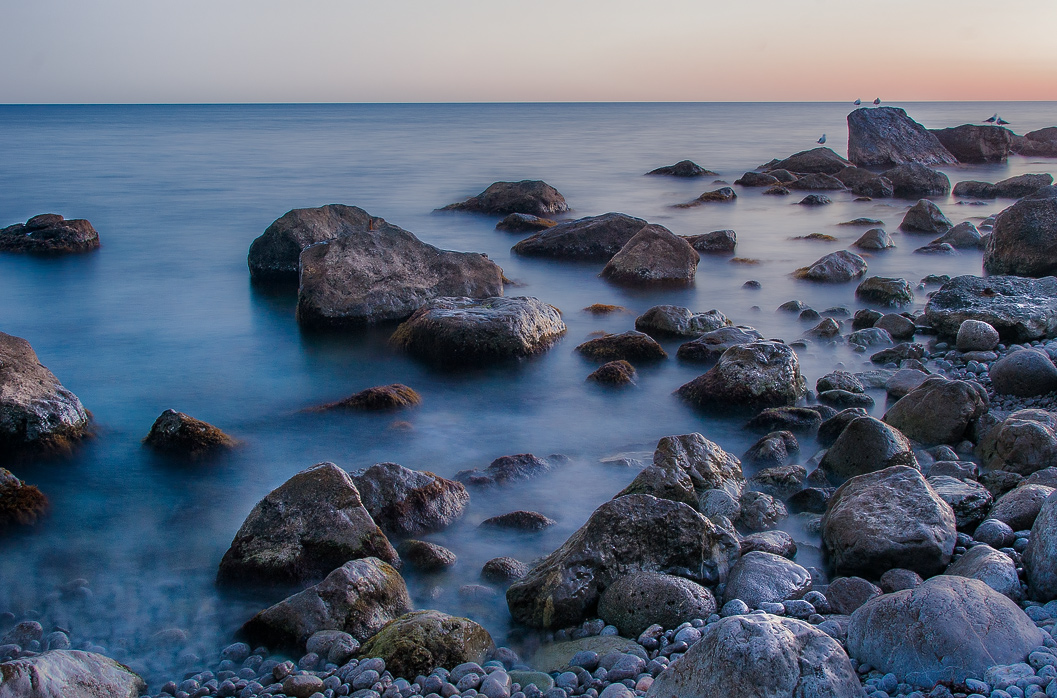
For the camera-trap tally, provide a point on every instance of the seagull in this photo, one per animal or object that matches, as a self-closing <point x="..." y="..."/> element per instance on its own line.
<point x="857" y="102"/>
<point x="992" y="120"/>
<point x="1001" y="121"/>
<point x="822" y="140"/>
<point x="877" y="101"/>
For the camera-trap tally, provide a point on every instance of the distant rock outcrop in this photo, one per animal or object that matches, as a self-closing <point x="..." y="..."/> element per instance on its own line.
<point x="527" y="196"/>
<point x="49" y="233"/>
<point x="886" y="136"/>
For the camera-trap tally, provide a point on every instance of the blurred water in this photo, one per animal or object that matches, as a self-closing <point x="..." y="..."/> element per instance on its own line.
<point x="164" y="316"/>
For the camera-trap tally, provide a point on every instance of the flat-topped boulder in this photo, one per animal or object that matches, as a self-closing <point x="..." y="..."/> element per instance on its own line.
<point x="973" y="143"/>
<point x="381" y="273"/>
<point x="815" y="161"/>
<point x="68" y="674"/>
<point x="468" y="331"/>
<point x="654" y="256"/>
<point x="676" y="321"/>
<point x="760" y="374"/>
<point x="627" y="346"/>
<point x="1012" y="188"/>
<point x="716" y="242"/>
<point x="596" y="238"/>
<point x="885" y="136"/>
<point x="914" y="181"/>
<point x="711" y="345"/>
<point x="303" y="529"/>
<point x="38" y="416"/>
<point x="409" y="502"/>
<point x="1021" y="309"/>
<point x="836" y="267"/>
<point x="527" y="196"/>
<point x="1023" y="241"/>
<point x="683" y="168"/>
<point x="178" y="434"/>
<point x="49" y="233"/>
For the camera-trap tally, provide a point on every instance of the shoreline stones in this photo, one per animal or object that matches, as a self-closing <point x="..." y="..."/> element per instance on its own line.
<point x="758" y="375"/>
<point x="178" y="434"/>
<point x="636" y="601"/>
<point x="68" y="674"/>
<point x="49" y="234"/>
<point x="533" y="197"/>
<point x="653" y="256"/>
<point x="972" y="143"/>
<point x="380" y="398"/>
<point x="410" y="502"/>
<point x="591" y="239"/>
<point x="885" y="290"/>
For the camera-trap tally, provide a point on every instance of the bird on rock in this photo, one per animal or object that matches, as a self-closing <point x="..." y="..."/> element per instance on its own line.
<point x="1001" y="121"/>
<point x="992" y="120"/>
<point x="877" y="100"/>
<point x="857" y="102"/>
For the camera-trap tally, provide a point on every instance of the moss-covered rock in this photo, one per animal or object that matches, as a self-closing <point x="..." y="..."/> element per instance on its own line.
<point x="379" y="398"/>
<point x="178" y="434"/>
<point x="419" y="642"/>
<point x="20" y="504"/>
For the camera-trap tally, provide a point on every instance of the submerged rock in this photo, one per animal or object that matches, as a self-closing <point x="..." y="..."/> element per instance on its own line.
<point x="425" y="556"/>
<point x="38" y="416"/>
<point x="676" y="321"/>
<point x="814" y="161"/>
<point x="963" y="236"/>
<point x="683" y="168"/>
<point x="524" y="223"/>
<point x="520" y="521"/>
<point x="522" y="466"/>
<point x="419" y="642"/>
<point x="68" y="674"/>
<point x="379" y="398"/>
<point x="467" y="331"/>
<point x="716" y="242"/>
<point x="627" y="346"/>
<point x="759" y="374"/>
<point x="179" y="434"/>
<point x="756" y="179"/>
<point x="874" y="239"/>
<point x="884" y="136"/>
<point x="1020" y="309"/>
<point x="711" y="345"/>
<point x="613" y="373"/>
<point x="596" y="238"/>
<point x="409" y="502"/>
<point x="20" y="504"/>
<point x="917" y="181"/>
<point x="1024" y="239"/>
<point x="49" y="233"/>
<point x="527" y="196"/>
<point x="653" y="256"/>
<point x="836" y="267"/>
<point x="863" y="182"/>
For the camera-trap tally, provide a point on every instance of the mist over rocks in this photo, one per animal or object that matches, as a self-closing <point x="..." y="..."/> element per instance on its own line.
<point x="595" y="238"/>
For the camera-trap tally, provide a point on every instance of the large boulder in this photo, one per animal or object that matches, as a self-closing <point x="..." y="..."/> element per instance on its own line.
<point x="178" y="434"/>
<point x="37" y="414"/>
<point x="760" y="655"/>
<point x="627" y="346"/>
<point x="969" y="500"/>
<point x="971" y="143"/>
<point x="917" y="181"/>
<point x="1022" y="443"/>
<point x="676" y="321"/>
<point x="1019" y="507"/>
<point x="759" y="578"/>
<point x="303" y="529"/>
<point x="888" y="519"/>
<point x="947" y="629"/>
<point x="760" y="374"/>
<point x="687" y="465"/>
<point x="884" y="136"/>
<point x="925" y="217"/>
<point x="1020" y="309"/>
<point x="382" y="272"/>
<point x="49" y="233"/>
<point x="995" y="569"/>
<point x="68" y="674"/>
<point x="1040" y="143"/>
<point x="653" y="256"/>
<point x="357" y="598"/>
<point x="1023" y="373"/>
<point x="636" y="601"/>
<point x="596" y="238"/>
<point x="527" y="196"/>
<point x="939" y="411"/>
<point x="814" y="161"/>
<point x="409" y="502"/>
<point x="1040" y="557"/>
<point x="1024" y="239"/>
<point x="865" y="445"/>
<point x="634" y="533"/>
<point x="836" y="267"/>
<point x="468" y="331"/>
<point x="421" y="641"/>
<point x="711" y="345"/>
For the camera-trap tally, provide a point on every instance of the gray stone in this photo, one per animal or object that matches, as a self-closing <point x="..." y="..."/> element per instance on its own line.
<point x="760" y="577"/>
<point x="68" y="674"/>
<point x="760" y="512"/>
<point x="503" y="570"/>
<point x="836" y="267"/>
<point x="885" y="290"/>
<point x="1022" y="185"/>
<point x="676" y="321"/>
<point x="1022" y="443"/>
<point x="527" y="196"/>
<point x="1040" y="557"/>
<point x="683" y="168"/>
<point x="874" y="239"/>
<point x="759" y="374"/>
<point x="975" y="335"/>
<point x="628" y="346"/>
<point x="883" y="136"/>
<point x="1024" y="373"/>
<point x="1023" y="239"/>
<point x="716" y="242"/>
<point x="426" y="556"/>
<point x="596" y="238"/>
<point x="994" y="533"/>
<point x="773" y="449"/>
<point x="654" y="256"/>
<point x="774" y="542"/>
<point x="410" y="502"/>
<point x="1020" y="309"/>
<point x="974" y="143"/>
<point x="939" y="411"/>
<point x="711" y="345"/>
<point x="913" y="181"/>
<point x="1019" y="507"/>
<point x="505" y="469"/>
<point x="925" y="217"/>
<point x="899" y="579"/>
<point x="839" y="380"/>
<point x="984" y="563"/>
<point x="636" y="601"/>
<point x="969" y="500"/>
<point x="779" y="481"/>
<point x="865" y="445"/>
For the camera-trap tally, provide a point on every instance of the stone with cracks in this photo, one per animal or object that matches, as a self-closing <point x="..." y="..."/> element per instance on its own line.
<point x="885" y="136"/>
<point x="1021" y="309"/>
<point x="758" y="375"/>
<point x="409" y="502"/>
<point x="527" y="196"/>
<point x="68" y="674"/>
<point x="654" y="256"/>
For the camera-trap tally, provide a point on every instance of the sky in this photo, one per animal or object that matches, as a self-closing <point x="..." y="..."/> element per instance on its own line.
<point x="150" y="51"/>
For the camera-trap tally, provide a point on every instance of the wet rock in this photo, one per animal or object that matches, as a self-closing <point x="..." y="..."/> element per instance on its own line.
<point x="620" y="538"/>
<point x="971" y="143"/>
<point x="939" y="411"/>
<point x="711" y="345"/>
<point x="863" y="182"/>
<point x="334" y="646"/>
<point x="665" y="483"/>
<point x="917" y="181"/>
<point x="1024" y="239"/>
<point x="779" y="481"/>
<point x="773" y="542"/>
<point x="628" y="346"/>
<point x="50" y="234"/>
<point x="760" y="374"/>
<point x="308" y="526"/>
<point x="948" y="629"/>
<point x="378" y="272"/>
<point x="614" y="373"/>
<point x="974" y="335"/>
<point x="520" y="520"/>
<point x="896" y="325"/>
<point x="871" y="336"/>
<point x="178" y="434"/>
<point x="1019" y="507"/>
<point x="1024" y="373"/>
<point x="865" y="445"/>
<point x="684" y="467"/>
<point x="984" y="563"/>
<point x="757" y="179"/>
<point x="524" y="223"/>
<point x="527" y="196"/>
<point x="38" y="416"/>
<point x="817" y="182"/>
<point x="1020" y="309"/>
<point x="760" y="512"/>
<point x="925" y="217"/>
<point x="1024" y="442"/>
<point x="898" y="353"/>
<point x="426" y="556"/>
<point x="653" y="256"/>
<point x="961" y="470"/>
<point x="773" y="449"/>
<point x="421" y="641"/>
<point x="970" y="501"/>
<point x="815" y="200"/>
<point x="1040" y="557"/>
<point x="716" y="242"/>
<point x="903" y="381"/>
<point x="874" y="239"/>
<point x="68" y="674"/>
<point x="839" y="380"/>
<point x="899" y="579"/>
<point x="379" y="398"/>
<point x="636" y="601"/>
<point x="970" y="189"/>
<point x="596" y="238"/>
<point x="847" y="594"/>
<point x="409" y="502"/>
<point x="963" y="236"/>
<point x="886" y="519"/>
<point x="675" y="321"/>
<point x="504" y="469"/>
<point x="466" y="331"/>
<point x="357" y="598"/>
<point x="20" y="504"/>
<point x="503" y="570"/>
<point x="777" y="191"/>
<point x="883" y="136"/>
<point x="759" y="578"/>
<point x="800" y="420"/>
<point x="760" y="655"/>
<point x="814" y="161"/>
<point x="1022" y="185"/>
<point x="683" y="168"/>
<point x="721" y="195"/>
<point x="836" y="267"/>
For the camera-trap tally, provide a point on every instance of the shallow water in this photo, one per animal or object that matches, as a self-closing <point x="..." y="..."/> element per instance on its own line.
<point x="164" y="316"/>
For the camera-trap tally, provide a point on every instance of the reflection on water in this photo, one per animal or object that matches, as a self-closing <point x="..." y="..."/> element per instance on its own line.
<point x="164" y="316"/>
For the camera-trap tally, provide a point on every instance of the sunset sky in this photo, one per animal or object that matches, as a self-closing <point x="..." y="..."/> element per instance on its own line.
<point x="545" y="50"/>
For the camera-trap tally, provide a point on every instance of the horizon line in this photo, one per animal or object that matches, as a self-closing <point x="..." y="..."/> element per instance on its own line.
<point x="511" y="102"/>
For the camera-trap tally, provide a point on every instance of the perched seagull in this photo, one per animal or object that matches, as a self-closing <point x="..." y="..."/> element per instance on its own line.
<point x="992" y="120"/>
<point x="822" y="140"/>
<point x="877" y="101"/>
<point x="1001" y="121"/>
<point x="857" y="102"/>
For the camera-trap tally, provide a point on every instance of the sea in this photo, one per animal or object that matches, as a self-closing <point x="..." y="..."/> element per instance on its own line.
<point x="163" y="316"/>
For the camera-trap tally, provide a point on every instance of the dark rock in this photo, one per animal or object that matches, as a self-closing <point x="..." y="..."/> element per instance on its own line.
<point x="777" y="191"/>
<point x="847" y="594"/>
<point x="814" y="161"/>
<point x="613" y="373"/>
<point x="638" y="600"/>
<point x="379" y="398"/>
<point x="936" y="248"/>
<point x="604" y="309"/>
<point x="676" y="321"/>
<point x="1024" y="239"/>
<point x="843" y="398"/>
<point x="410" y="502"/>
<point x="800" y="420"/>
<point x="896" y="325"/>
<point x="812" y="500"/>
<point x="683" y="168"/>
<point x="904" y="381"/>
<point x="1040" y="143"/>
<point x="865" y="318"/>
<point x="595" y="239"/>
<point x="884" y="290"/>
<point x="716" y="242"/>
<point x="756" y="179"/>
<point x="520" y="521"/>
<point x="68" y="674"/>
<point x="884" y="136"/>
<point x="178" y="434"/>
<point x="653" y="256"/>
<point x="869" y="222"/>
<point x="308" y="526"/>
<point x="686" y="465"/>
<point x="467" y="331"/>
<point x="358" y="598"/>
<point x="925" y="217"/>
<point x="759" y="578"/>
<point x="899" y="579"/>
<point x="527" y="196"/>
<point x="917" y="181"/>
<point x="426" y="556"/>
<point x="721" y="195"/>
<point x="504" y="469"/>
<point x="760" y="374"/>
<point x="1019" y="507"/>
<point x="995" y="569"/>
<point x="1040" y="557"/>
<point x="976" y="144"/>
<point x="970" y="189"/>
<point x="1020" y="309"/>
<point x="628" y="346"/>
<point x="1024" y="373"/>
<point x="815" y="200"/>
<point x="783" y="176"/>
<point x="865" y="445"/>
<point x="817" y="182"/>
<point x="870" y="337"/>
<point x="998" y="482"/>
<point x="711" y="345"/>
<point x="50" y="234"/>
<point x="939" y="411"/>
<point x="836" y="267"/>
<point x="874" y="239"/>
<point x="963" y="236"/>
<point x="1022" y="185"/>
<point x="421" y="641"/>
<point x="898" y="353"/>
<point x="20" y="504"/>
<point x="503" y="570"/>
<point x="773" y="542"/>
<point x="969" y="500"/>
<point x="773" y="449"/>
<point x="839" y="380"/>
<point x="524" y="223"/>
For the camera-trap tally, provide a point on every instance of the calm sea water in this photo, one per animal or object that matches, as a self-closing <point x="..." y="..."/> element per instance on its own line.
<point x="164" y="316"/>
